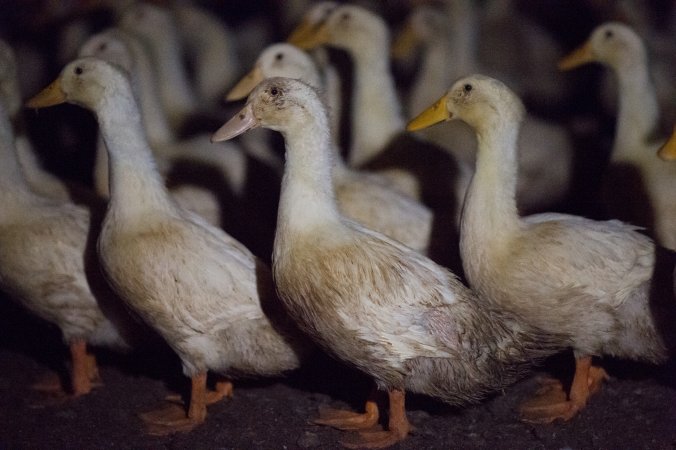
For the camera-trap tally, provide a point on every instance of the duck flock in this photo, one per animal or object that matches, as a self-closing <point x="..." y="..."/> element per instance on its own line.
<point x="440" y="195"/>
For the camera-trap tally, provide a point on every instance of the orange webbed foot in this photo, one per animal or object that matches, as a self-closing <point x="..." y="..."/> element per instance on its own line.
<point x="374" y="439"/>
<point x="552" y="403"/>
<point x="171" y="418"/>
<point x="349" y="420"/>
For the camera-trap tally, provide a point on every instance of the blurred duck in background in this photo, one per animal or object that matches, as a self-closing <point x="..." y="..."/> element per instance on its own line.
<point x="362" y="196"/>
<point x="638" y="188"/>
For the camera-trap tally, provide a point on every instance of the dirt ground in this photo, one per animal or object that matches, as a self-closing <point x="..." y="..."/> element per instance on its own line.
<point x="635" y="410"/>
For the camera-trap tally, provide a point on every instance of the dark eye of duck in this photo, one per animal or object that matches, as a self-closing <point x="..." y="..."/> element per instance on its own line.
<point x="467" y="87"/>
<point x="609" y="34"/>
<point x="274" y="91"/>
<point x="279" y="56"/>
<point x="345" y="16"/>
<point x="78" y="70"/>
<point x="103" y="47"/>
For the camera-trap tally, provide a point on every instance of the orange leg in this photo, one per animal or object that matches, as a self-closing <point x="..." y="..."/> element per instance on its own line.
<point x="398" y="426"/>
<point x="348" y="420"/>
<point x="172" y="418"/>
<point x="223" y="389"/>
<point x="80" y="376"/>
<point x="552" y="403"/>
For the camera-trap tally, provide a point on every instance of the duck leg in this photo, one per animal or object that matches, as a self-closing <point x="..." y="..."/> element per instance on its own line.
<point x="172" y="418"/>
<point x="84" y="368"/>
<point x="84" y="374"/>
<point x="222" y="389"/>
<point x="348" y="420"/>
<point x="398" y="426"/>
<point x="551" y="404"/>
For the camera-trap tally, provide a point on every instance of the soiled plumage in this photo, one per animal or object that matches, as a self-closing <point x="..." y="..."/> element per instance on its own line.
<point x="47" y="265"/>
<point x="204" y="292"/>
<point x="362" y="196"/>
<point x="638" y="188"/>
<point x="368" y="300"/>
<point x="595" y="282"/>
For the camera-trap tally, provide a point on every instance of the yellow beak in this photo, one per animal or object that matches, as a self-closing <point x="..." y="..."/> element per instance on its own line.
<point x="246" y="84"/>
<point x="309" y="35"/>
<point x="581" y="55"/>
<point x="432" y="115"/>
<point x="49" y="96"/>
<point x="668" y="151"/>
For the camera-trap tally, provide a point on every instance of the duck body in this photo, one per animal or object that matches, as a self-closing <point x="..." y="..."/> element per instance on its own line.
<point x="589" y="280"/>
<point x="46" y="265"/>
<point x="368" y="300"/>
<point x="202" y="290"/>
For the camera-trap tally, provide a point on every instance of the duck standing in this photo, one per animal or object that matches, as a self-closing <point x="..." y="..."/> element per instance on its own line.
<point x="601" y="284"/>
<point x="368" y="300"/>
<point x="200" y="289"/>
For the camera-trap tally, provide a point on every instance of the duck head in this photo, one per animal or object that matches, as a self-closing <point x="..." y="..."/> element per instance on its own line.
<point x="613" y="44"/>
<point x="480" y="101"/>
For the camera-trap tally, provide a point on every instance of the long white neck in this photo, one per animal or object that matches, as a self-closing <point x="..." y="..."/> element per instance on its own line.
<point x="154" y="117"/>
<point x="490" y="214"/>
<point x="14" y="189"/>
<point x="376" y="111"/>
<point x="135" y="184"/>
<point x="638" y="113"/>
<point x="176" y="93"/>
<point x="307" y="197"/>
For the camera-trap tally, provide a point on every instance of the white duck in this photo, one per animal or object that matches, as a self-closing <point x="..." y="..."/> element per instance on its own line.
<point x="157" y="27"/>
<point x="210" y="49"/>
<point x="368" y="300"/>
<point x="362" y="196"/>
<point x="591" y="281"/>
<point x="125" y="50"/>
<point x="47" y="265"/>
<point x="379" y="139"/>
<point x="199" y="288"/>
<point x="638" y="187"/>
<point x="449" y="52"/>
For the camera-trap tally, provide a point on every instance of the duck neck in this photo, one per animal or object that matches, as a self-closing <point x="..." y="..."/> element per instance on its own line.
<point x="307" y="198"/>
<point x="490" y="216"/>
<point x="134" y="182"/>
<point x="376" y="111"/>
<point x="638" y="113"/>
<point x="155" y="120"/>
<point x="14" y="189"/>
<point x="175" y="91"/>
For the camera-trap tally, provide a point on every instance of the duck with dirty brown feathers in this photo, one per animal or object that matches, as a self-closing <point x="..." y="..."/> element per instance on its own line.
<point x="368" y="300"/>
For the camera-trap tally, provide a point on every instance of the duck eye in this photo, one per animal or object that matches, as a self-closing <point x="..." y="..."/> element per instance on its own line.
<point x="78" y="70"/>
<point x="467" y="87"/>
<point x="608" y="34"/>
<point x="274" y="91"/>
<point x="103" y="47"/>
<point x="345" y="16"/>
<point x="279" y="56"/>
